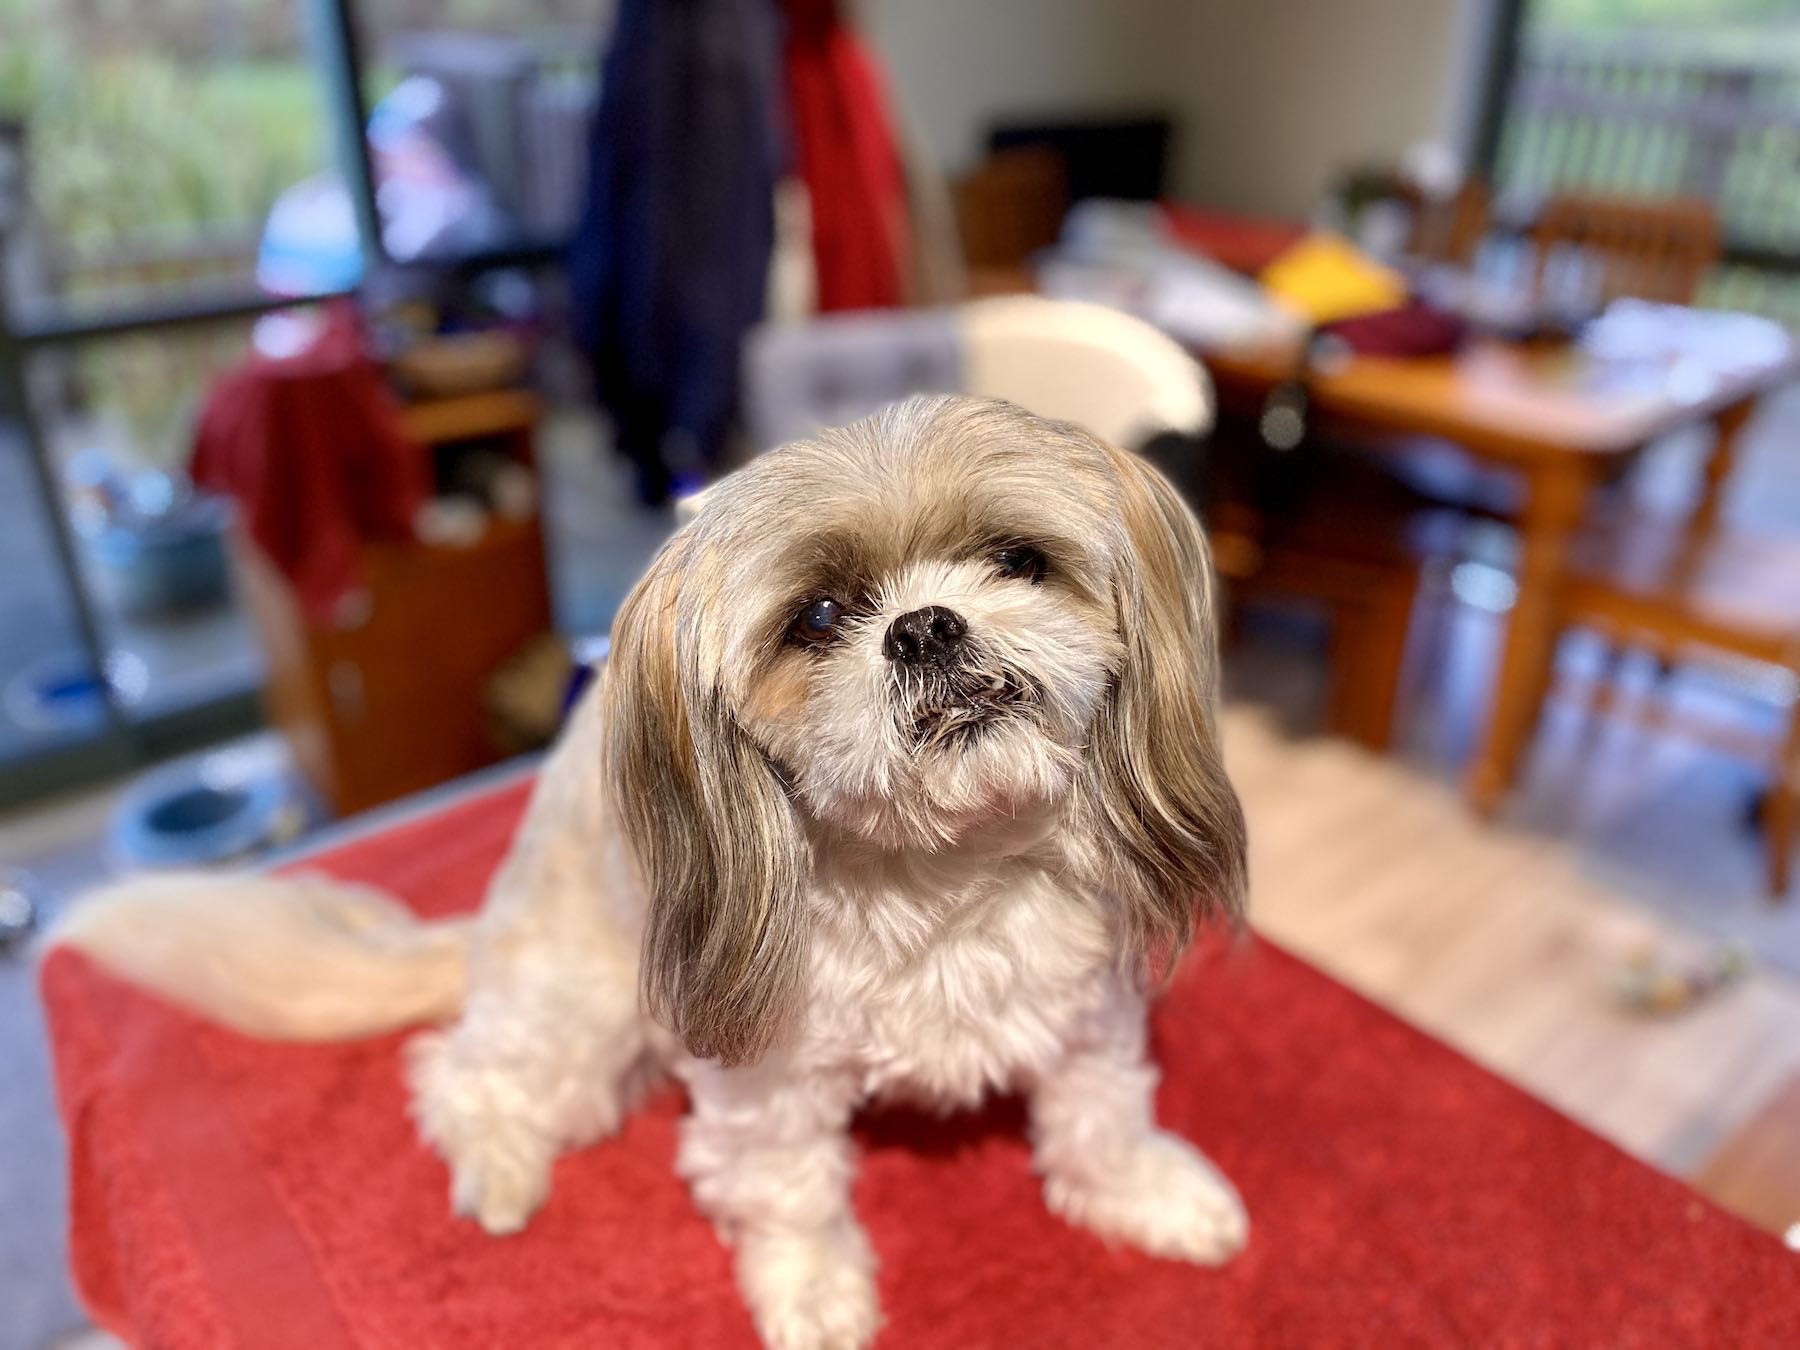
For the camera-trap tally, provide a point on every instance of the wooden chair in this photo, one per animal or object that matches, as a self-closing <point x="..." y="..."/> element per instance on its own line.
<point x="1602" y="249"/>
<point x="1007" y="208"/>
<point x="1368" y="597"/>
<point x="1440" y="227"/>
<point x="1650" y="249"/>
<point x="1447" y="229"/>
<point x="1697" y="589"/>
<point x="1678" y="588"/>
<point x="1341" y="536"/>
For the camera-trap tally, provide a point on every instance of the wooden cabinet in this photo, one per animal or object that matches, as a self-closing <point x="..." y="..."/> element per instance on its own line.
<point x="387" y="700"/>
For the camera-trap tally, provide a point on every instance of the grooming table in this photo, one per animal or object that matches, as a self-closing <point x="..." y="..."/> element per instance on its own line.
<point x="227" y="1192"/>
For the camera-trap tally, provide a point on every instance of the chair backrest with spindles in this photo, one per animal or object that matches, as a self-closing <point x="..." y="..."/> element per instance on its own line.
<point x="1450" y="228"/>
<point x="1646" y="249"/>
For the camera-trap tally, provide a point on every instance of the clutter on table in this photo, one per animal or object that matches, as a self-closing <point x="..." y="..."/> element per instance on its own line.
<point x="1124" y="254"/>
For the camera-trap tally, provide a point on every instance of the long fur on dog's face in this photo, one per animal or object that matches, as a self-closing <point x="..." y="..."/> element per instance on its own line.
<point x="1078" y="703"/>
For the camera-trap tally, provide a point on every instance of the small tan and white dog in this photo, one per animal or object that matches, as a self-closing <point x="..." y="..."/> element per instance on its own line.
<point x="902" y="781"/>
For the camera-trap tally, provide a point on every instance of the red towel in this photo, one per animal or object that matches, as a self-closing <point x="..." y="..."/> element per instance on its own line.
<point x="1243" y="243"/>
<point x="233" y="1193"/>
<point x="311" y="449"/>
<point x="849" y="158"/>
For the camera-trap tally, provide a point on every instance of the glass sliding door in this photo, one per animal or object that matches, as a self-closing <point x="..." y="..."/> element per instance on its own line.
<point x="117" y="417"/>
<point x="50" y="697"/>
<point x="159" y="141"/>
<point x="1666" y="98"/>
<point x="170" y="175"/>
<point x="479" y="121"/>
<point x="167" y="173"/>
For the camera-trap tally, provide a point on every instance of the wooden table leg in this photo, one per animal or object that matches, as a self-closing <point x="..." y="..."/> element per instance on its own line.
<point x="1781" y="811"/>
<point x="1720" y="460"/>
<point x="1556" y="493"/>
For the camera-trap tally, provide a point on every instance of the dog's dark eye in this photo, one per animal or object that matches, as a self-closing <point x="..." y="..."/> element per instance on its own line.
<point x="818" y="621"/>
<point x="1021" y="560"/>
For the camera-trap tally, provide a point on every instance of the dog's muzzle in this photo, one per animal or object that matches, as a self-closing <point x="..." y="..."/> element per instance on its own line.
<point x="959" y="703"/>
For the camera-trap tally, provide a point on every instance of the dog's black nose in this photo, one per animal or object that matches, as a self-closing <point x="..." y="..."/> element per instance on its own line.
<point x="926" y="637"/>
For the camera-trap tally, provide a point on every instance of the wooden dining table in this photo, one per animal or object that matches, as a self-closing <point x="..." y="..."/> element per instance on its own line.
<point x="1548" y="414"/>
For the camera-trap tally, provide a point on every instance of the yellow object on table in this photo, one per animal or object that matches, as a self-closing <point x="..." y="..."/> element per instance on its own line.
<point x="1324" y="278"/>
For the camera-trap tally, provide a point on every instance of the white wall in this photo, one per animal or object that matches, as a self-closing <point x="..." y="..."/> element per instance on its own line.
<point x="1280" y="96"/>
<point x="958" y="64"/>
<point x="1272" y="97"/>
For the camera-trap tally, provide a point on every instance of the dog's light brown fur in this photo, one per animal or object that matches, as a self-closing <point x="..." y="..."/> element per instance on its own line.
<point x="706" y="723"/>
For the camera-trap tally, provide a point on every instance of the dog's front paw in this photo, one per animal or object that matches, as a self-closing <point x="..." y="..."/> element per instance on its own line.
<point x="499" y="1159"/>
<point x="810" y="1290"/>
<point x="498" y="1187"/>
<point x="1165" y="1199"/>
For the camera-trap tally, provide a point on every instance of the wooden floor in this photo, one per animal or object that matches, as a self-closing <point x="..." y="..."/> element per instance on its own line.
<point x="1757" y="1173"/>
<point x="1495" y="939"/>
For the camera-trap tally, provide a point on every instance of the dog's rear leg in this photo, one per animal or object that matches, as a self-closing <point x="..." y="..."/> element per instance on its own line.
<point x="549" y="1053"/>
<point x="551" y="1048"/>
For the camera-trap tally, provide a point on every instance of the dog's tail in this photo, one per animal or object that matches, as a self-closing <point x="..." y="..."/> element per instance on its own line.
<point x="295" y="959"/>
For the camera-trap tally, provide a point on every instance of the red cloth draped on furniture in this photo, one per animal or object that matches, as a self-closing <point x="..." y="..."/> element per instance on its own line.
<point x="312" y="450"/>
<point x="233" y="1193"/>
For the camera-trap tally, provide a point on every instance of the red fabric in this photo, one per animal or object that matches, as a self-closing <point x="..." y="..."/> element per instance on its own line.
<point x="233" y="1193"/>
<point x="312" y="450"/>
<point x="849" y="159"/>
<point x="1243" y="243"/>
<point x="1412" y="329"/>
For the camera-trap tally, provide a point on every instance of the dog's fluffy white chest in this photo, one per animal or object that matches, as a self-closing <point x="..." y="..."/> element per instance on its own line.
<point x="942" y="997"/>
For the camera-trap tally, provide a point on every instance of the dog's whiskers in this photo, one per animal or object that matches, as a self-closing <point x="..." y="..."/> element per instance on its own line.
<point x="957" y="703"/>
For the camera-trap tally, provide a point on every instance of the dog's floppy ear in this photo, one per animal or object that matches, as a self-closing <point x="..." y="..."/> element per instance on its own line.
<point x="717" y="841"/>
<point x="1166" y="823"/>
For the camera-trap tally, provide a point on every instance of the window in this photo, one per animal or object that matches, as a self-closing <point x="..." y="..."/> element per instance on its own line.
<point x="169" y="174"/>
<point x="1696" y="98"/>
<point x="156" y="140"/>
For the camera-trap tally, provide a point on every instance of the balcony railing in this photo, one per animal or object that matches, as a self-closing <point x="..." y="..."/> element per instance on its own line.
<point x="1660" y="115"/>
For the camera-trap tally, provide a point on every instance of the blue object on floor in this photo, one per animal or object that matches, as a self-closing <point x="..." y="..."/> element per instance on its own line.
<point x="215" y="808"/>
<point x="21" y="907"/>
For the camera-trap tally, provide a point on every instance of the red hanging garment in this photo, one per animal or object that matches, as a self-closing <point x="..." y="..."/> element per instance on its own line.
<point x="849" y="158"/>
